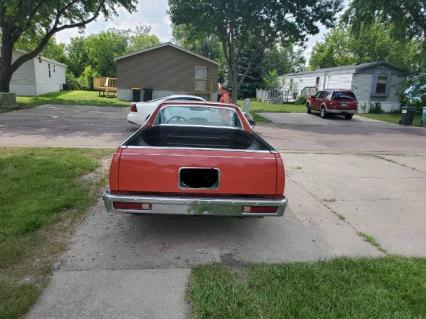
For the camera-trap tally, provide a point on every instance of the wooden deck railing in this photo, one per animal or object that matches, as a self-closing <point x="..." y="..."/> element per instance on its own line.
<point x="106" y="86"/>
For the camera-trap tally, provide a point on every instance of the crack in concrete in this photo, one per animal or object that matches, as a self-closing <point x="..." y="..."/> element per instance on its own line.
<point x="340" y="216"/>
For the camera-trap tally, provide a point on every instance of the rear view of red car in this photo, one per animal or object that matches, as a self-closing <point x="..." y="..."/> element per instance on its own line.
<point x="340" y="102"/>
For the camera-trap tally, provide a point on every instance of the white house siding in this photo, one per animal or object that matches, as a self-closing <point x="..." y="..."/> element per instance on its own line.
<point x="23" y="79"/>
<point x="44" y="83"/>
<point x="338" y="81"/>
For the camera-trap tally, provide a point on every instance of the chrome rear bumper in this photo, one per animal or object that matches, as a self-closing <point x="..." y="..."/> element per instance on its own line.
<point x="215" y="206"/>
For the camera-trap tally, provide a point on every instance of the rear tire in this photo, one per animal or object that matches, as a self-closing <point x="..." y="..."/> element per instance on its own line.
<point x="323" y="112"/>
<point x="348" y="116"/>
<point x="308" y="109"/>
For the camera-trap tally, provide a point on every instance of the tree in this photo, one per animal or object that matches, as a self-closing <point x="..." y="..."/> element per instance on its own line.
<point x="141" y="38"/>
<point x="405" y="18"/>
<point x="343" y="46"/>
<point x="77" y="55"/>
<point x="103" y="48"/>
<point x="284" y="59"/>
<point x="241" y="25"/>
<point x="53" y="50"/>
<point x="100" y="50"/>
<point x="270" y="80"/>
<point x="47" y="17"/>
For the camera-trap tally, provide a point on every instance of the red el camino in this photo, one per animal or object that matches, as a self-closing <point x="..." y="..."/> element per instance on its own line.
<point x="197" y="158"/>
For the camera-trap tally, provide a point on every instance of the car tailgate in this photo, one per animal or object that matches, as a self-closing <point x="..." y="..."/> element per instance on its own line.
<point x="161" y="170"/>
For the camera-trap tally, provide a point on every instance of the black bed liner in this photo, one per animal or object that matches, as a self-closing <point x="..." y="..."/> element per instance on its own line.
<point x="198" y="137"/>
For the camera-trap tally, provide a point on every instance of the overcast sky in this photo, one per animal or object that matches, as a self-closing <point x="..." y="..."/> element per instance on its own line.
<point x="153" y="13"/>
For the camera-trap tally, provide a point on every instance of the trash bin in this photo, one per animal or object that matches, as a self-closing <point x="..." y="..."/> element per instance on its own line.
<point x="147" y="94"/>
<point x="407" y="115"/>
<point x="136" y="94"/>
<point x="424" y="116"/>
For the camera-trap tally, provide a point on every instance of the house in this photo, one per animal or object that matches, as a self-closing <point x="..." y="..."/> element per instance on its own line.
<point x="376" y="82"/>
<point x="37" y="76"/>
<point x="166" y="69"/>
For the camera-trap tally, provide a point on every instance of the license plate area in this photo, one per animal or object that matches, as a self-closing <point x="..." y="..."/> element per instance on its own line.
<point x="199" y="178"/>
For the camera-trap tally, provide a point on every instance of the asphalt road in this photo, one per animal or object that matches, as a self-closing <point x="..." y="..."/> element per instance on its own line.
<point x="343" y="178"/>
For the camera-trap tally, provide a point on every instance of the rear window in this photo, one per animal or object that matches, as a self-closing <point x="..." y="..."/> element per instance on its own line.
<point x="343" y="96"/>
<point x="182" y="115"/>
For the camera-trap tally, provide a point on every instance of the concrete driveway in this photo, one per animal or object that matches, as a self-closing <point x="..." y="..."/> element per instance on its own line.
<point x="344" y="179"/>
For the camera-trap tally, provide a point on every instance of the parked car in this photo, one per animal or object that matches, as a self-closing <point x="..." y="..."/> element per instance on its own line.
<point x="196" y="158"/>
<point x="341" y="102"/>
<point x="140" y="111"/>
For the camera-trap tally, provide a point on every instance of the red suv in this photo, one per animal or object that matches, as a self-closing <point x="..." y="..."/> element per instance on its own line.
<point x="342" y="102"/>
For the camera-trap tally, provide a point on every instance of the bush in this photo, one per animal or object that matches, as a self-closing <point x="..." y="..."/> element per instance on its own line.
<point x="415" y="94"/>
<point x="375" y="108"/>
<point x="301" y="99"/>
<point x="72" y="81"/>
<point x="86" y="78"/>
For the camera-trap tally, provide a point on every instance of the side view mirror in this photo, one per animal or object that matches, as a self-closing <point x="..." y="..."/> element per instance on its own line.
<point x="252" y="123"/>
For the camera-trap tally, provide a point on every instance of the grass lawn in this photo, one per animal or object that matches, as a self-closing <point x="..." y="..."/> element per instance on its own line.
<point x="70" y="97"/>
<point x="42" y="193"/>
<point x="259" y="107"/>
<point x="389" y="287"/>
<point x="391" y="117"/>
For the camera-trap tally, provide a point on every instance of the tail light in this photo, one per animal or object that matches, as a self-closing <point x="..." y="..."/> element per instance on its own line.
<point x="259" y="209"/>
<point x="133" y="108"/>
<point x="132" y="206"/>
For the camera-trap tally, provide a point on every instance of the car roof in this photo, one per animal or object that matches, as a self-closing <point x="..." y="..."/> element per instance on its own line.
<point x="182" y="95"/>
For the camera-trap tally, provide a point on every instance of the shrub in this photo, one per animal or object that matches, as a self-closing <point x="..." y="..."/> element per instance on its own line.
<point x="375" y="108"/>
<point x="301" y="99"/>
<point x="72" y="81"/>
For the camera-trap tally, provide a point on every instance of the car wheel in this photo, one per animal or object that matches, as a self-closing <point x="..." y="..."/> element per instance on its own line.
<point x="348" y="116"/>
<point x="308" y="109"/>
<point x="323" y="112"/>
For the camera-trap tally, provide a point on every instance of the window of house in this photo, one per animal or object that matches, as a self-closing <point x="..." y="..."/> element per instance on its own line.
<point x="381" y="83"/>
<point x="200" y="78"/>
<point x="317" y="81"/>
<point x="48" y="68"/>
<point x="291" y="84"/>
<point x="54" y="69"/>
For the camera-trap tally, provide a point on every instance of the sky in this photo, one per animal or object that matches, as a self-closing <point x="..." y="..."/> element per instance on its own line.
<point x="154" y="13"/>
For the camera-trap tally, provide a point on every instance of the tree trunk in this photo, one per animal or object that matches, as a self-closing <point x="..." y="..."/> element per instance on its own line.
<point x="6" y="63"/>
<point x="233" y="71"/>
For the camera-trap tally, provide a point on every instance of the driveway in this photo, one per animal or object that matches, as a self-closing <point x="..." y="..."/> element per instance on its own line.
<point x="344" y="178"/>
<point x="308" y="132"/>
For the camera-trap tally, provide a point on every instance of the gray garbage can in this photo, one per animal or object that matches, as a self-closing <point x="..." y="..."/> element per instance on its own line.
<point x="407" y="115"/>
<point x="424" y="116"/>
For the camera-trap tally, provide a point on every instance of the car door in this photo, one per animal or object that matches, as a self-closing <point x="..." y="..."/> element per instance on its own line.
<point x="316" y="103"/>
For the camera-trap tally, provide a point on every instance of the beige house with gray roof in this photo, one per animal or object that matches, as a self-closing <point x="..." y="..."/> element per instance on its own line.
<point x="167" y="69"/>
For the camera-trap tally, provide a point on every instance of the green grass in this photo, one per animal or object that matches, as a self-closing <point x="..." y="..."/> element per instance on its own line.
<point x="42" y="194"/>
<point x="260" y="107"/>
<point x="391" y="117"/>
<point x="70" y="97"/>
<point x="372" y="241"/>
<point x="389" y="287"/>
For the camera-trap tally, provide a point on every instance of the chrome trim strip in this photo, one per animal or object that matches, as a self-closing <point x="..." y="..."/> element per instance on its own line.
<point x="209" y="206"/>
<point x="200" y="149"/>
<point x="198" y="126"/>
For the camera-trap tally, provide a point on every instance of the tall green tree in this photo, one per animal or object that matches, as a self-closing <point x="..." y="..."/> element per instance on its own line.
<point x="47" y="17"/>
<point x="77" y="55"/>
<point x="241" y="25"/>
<point x="343" y="46"/>
<point x="405" y="18"/>
<point x="100" y="50"/>
<point x="53" y="50"/>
